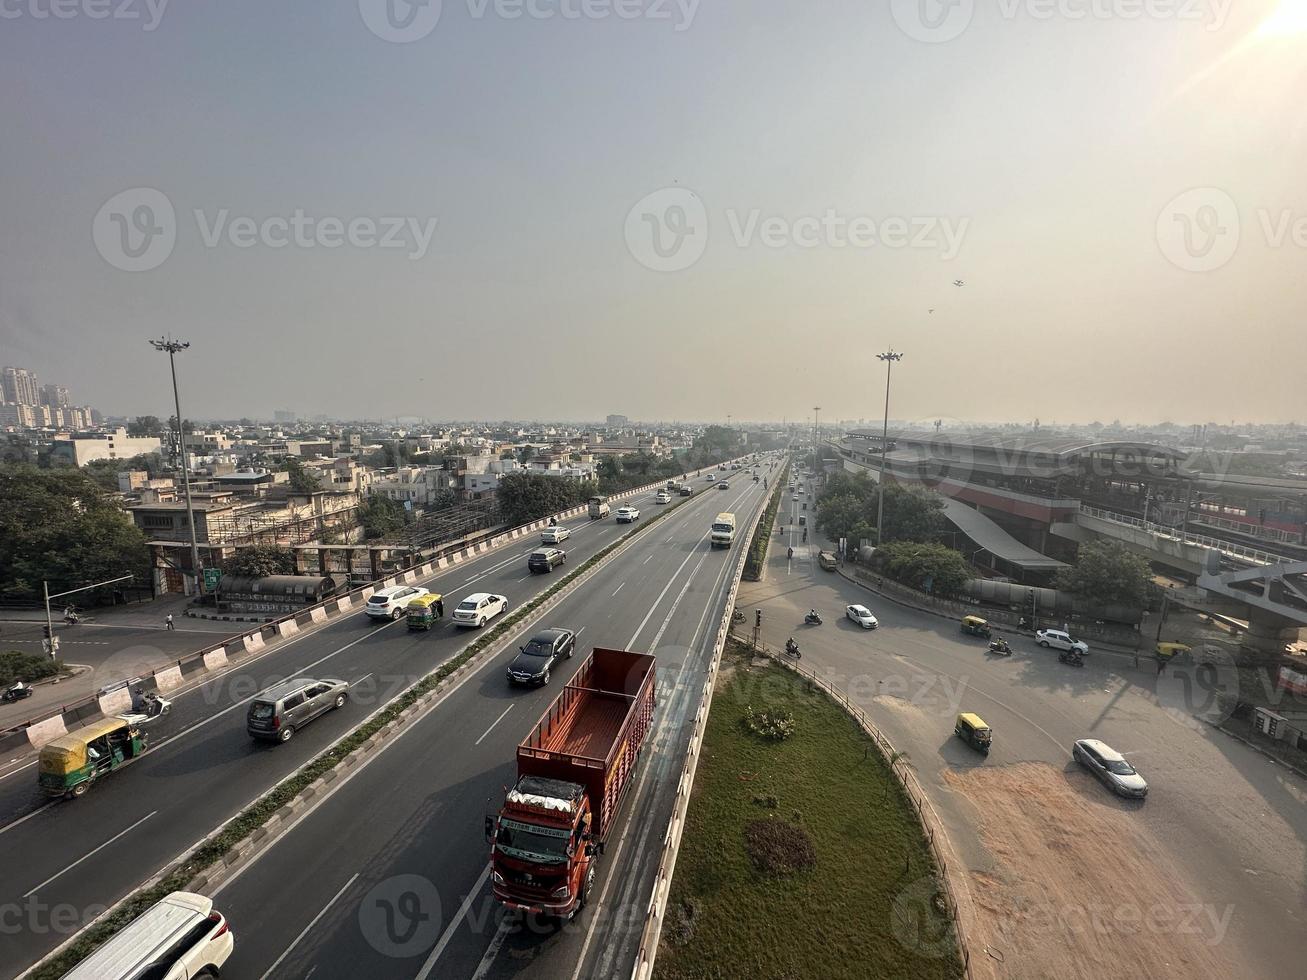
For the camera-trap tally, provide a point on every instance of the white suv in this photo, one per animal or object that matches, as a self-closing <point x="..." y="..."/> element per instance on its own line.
<point x="479" y="607"/>
<point x="554" y="535"/>
<point x="392" y="602"/>
<point x="1060" y="640"/>
<point x="627" y="515"/>
<point x="181" y="936"/>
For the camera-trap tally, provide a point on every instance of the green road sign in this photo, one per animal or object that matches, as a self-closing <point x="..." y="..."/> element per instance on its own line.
<point x="211" y="577"/>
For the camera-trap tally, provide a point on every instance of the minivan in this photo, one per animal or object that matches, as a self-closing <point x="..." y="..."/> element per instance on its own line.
<point x="180" y="937"/>
<point x="277" y="713"/>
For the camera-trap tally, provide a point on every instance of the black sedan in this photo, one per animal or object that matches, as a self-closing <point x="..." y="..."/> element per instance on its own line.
<point x="535" y="660"/>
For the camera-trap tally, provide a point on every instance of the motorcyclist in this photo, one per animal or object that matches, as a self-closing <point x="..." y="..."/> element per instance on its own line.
<point x="791" y="552"/>
<point x="791" y="646"/>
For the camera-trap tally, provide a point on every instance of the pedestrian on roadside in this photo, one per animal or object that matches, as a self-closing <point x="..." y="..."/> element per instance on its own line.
<point x="170" y="624"/>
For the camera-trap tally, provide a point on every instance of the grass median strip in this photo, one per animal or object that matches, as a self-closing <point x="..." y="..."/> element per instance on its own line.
<point x="762" y="533"/>
<point x="249" y="820"/>
<point x="802" y="857"/>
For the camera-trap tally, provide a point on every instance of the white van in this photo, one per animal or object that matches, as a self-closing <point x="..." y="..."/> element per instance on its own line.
<point x="180" y="937"/>
<point x="723" y="530"/>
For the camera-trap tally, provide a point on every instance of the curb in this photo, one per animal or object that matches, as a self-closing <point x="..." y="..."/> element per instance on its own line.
<point x="1261" y="751"/>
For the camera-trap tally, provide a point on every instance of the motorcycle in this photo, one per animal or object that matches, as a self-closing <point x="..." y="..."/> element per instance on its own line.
<point x="1071" y="657"/>
<point x="1000" y="647"/>
<point x="812" y="619"/>
<point x="16" y="693"/>
<point x="146" y="706"/>
<point x="737" y="617"/>
<point x="790" y="553"/>
<point x="792" y="649"/>
<point x="805" y="535"/>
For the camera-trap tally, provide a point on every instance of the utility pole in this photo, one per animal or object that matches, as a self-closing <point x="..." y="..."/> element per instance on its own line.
<point x="172" y="347"/>
<point x="816" y="428"/>
<point x="889" y="357"/>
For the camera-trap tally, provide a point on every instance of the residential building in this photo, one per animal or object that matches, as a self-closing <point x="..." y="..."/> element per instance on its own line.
<point x="19" y="386"/>
<point x="16" y="416"/>
<point x="56" y="396"/>
<point x="618" y="422"/>
<point x="80" y="450"/>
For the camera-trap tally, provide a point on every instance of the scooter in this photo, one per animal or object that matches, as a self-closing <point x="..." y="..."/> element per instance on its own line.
<point x="1070" y="657"/>
<point x="812" y="619"/>
<point x="147" y="706"/>
<point x="15" y="693"/>
<point x="1000" y="647"/>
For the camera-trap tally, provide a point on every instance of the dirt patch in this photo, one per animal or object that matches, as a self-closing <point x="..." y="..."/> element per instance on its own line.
<point x="1079" y="891"/>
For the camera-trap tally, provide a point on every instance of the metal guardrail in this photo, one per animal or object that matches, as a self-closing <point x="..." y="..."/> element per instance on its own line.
<point x="1201" y="540"/>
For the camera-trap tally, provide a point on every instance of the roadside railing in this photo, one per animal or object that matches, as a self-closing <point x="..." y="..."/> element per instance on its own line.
<point x="1201" y="540"/>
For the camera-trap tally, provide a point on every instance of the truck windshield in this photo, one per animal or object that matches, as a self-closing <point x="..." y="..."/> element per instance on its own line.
<point x="525" y="841"/>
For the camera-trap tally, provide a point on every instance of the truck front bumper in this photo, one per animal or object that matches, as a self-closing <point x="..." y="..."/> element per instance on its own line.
<point x="534" y="906"/>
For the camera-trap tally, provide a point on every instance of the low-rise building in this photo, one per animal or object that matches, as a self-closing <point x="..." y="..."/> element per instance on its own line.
<point x="80" y="450"/>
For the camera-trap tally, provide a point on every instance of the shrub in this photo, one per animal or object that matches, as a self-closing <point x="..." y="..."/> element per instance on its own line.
<point x="26" y="667"/>
<point x="773" y="725"/>
<point x="778" y="847"/>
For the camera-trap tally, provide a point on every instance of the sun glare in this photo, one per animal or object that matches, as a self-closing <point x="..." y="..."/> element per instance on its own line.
<point x="1289" y="18"/>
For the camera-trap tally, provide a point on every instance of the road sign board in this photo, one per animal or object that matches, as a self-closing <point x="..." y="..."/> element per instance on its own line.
<point x="211" y="578"/>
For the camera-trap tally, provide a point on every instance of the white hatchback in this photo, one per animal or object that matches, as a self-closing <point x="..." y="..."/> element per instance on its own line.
<point x="478" y="608"/>
<point x="862" y="616"/>
<point x="392" y="602"/>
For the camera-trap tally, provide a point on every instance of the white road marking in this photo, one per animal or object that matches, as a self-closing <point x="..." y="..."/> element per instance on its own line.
<point x="449" y="932"/>
<point x="276" y="963"/>
<point x="492" y="726"/>
<point x="646" y="561"/>
<point x="30" y="815"/>
<point x="619" y="589"/>
<point x="491" y="951"/>
<point x="90" y="853"/>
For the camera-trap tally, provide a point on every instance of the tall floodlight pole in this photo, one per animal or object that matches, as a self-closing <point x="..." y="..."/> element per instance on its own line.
<point x="889" y="357"/>
<point x="172" y="347"/>
<point x="816" y="426"/>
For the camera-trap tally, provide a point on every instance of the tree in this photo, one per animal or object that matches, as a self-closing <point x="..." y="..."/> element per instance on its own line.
<point x="259" y="561"/>
<point x="380" y="516"/>
<point x="301" y="480"/>
<point x="1107" y="573"/>
<point x="105" y="471"/>
<point x="145" y="425"/>
<point x="850" y="503"/>
<point x="63" y="527"/>
<point x="924" y="566"/>
<point x="525" y="497"/>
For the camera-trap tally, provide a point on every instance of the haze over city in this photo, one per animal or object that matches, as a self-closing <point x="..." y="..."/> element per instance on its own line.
<point x="1037" y="159"/>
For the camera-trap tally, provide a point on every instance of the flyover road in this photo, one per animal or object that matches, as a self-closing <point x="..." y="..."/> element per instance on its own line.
<point x="65" y="861"/>
<point x="404" y="835"/>
<point x="1207" y="877"/>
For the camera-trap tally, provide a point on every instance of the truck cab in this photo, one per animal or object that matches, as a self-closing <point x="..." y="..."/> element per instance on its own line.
<point x="543" y="847"/>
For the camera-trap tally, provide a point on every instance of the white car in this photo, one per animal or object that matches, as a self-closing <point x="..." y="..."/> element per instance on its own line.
<point x="627" y="515"/>
<point x="1060" y="640"/>
<point x="391" y="603"/>
<point x="478" y="608"/>
<point x="554" y="535"/>
<point x="862" y="616"/>
<point x="181" y="936"/>
<point x="663" y="497"/>
<point x="794" y="496"/>
<point x="712" y="477"/>
<point x="1110" y="767"/>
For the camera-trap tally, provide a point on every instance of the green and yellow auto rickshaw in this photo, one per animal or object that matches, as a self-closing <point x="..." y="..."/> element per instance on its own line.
<point x="975" y="626"/>
<point x="424" y="611"/>
<point x="71" y="763"/>
<point x="971" y="728"/>
<point x="1173" y="653"/>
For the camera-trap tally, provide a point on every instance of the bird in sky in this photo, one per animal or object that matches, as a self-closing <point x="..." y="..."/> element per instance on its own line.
<point x="958" y="282"/>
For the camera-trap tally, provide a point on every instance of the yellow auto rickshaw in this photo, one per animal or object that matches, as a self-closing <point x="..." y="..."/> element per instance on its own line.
<point x="71" y="763"/>
<point x="975" y="626"/>
<point x="1178" y="653"/>
<point x="971" y="728"/>
<point x="424" y="611"/>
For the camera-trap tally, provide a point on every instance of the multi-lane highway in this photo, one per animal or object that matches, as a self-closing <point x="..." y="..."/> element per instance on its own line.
<point x="389" y="876"/>
<point x="66" y="861"/>
<point x="1204" y="878"/>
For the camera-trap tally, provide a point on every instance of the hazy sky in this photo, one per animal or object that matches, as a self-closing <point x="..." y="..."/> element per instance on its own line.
<point x="1119" y="183"/>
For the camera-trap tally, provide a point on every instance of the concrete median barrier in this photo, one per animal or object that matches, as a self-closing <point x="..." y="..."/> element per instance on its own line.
<point x="40" y="732"/>
<point x="168" y="678"/>
<point x="116" y="702"/>
<point x="215" y="659"/>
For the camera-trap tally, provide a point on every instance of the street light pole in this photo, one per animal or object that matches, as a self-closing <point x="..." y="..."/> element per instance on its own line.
<point x="172" y="347"/>
<point x="889" y="357"/>
<point x="816" y="426"/>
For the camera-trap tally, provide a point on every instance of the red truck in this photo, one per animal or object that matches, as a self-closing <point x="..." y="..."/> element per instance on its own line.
<point x="572" y="772"/>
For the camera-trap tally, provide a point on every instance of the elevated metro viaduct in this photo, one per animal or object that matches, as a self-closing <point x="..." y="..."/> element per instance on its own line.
<point x="1029" y="502"/>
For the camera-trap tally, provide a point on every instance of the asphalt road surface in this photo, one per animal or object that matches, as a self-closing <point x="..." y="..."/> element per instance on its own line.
<point x="65" y="861"/>
<point x="403" y="837"/>
<point x="1214" y="859"/>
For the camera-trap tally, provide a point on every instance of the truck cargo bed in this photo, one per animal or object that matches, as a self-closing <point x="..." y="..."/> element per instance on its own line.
<point x="590" y="730"/>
